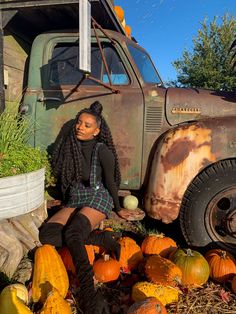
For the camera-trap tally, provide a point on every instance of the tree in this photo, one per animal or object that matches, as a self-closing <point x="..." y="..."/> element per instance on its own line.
<point x="210" y="64"/>
<point x="233" y="50"/>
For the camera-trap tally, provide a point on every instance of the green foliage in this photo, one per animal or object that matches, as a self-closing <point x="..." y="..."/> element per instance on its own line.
<point x="210" y="64"/>
<point x="233" y="51"/>
<point x="16" y="156"/>
<point x="13" y="131"/>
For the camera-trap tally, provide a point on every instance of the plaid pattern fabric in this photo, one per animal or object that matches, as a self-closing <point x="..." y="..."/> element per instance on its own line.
<point x="95" y="195"/>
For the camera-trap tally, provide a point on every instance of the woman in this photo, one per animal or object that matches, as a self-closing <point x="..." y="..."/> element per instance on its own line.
<point x="86" y="166"/>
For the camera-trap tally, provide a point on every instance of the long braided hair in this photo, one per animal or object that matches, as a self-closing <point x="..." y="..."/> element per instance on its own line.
<point x="66" y="161"/>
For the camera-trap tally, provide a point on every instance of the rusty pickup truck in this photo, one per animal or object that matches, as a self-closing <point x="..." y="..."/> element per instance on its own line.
<point x="176" y="145"/>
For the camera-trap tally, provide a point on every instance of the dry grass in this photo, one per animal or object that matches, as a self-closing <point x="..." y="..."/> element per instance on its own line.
<point x="207" y="300"/>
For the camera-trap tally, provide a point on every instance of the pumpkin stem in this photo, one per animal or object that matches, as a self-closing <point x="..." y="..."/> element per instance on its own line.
<point x="106" y="257"/>
<point x="189" y="252"/>
<point x="223" y="254"/>
<point x="156" y="234"/>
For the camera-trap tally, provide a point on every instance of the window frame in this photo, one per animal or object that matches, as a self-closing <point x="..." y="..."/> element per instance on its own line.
<point x="74" y="40"/>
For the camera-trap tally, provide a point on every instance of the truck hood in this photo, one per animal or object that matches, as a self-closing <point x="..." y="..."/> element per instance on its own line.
<point x="185" y="104"/>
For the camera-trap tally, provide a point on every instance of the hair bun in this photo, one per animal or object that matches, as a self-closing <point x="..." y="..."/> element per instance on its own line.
<point x="96" y="107"/>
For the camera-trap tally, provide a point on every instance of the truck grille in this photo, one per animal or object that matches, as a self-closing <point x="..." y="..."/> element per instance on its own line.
<point x="153" y="119"/>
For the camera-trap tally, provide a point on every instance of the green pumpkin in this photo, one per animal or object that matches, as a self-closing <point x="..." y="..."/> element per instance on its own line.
<point x="194" y="266"/>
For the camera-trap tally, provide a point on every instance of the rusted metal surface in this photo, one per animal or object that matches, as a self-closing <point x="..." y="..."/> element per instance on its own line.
<point x="180" y="155"/>
<point x="231" y="224"/>
<point x="189" y="104"/>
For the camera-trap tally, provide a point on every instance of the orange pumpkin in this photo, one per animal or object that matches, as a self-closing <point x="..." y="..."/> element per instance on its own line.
<point x="158" y="244"/>
<point x="222" y="265"/>
<point x="194" y="266"/>
<point x="119" y="12"/>
<point x="160" y="270"/>
<point x="67" y="259"/>
<point x="148" y="306"/>
<point x="130" y="253"/>
<point x="106" y="269"/>
<point x="233" y="284"/>
<point x="128" y="31"/>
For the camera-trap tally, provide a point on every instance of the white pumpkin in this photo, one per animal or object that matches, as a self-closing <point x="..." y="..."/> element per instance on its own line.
<point x="130" y="202"/>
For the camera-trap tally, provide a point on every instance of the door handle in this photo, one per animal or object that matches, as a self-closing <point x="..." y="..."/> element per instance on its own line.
<point x="42" y="99"/>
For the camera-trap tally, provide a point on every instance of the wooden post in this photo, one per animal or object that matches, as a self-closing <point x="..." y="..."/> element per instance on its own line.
<point x="2" y="93"/>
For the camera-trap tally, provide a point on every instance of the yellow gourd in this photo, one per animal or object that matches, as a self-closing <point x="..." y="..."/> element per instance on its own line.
<point x="49" y="272"/>
<point x="10" y="303"/>
<point x="55" y="304"/>
<point x="165" y="294"/>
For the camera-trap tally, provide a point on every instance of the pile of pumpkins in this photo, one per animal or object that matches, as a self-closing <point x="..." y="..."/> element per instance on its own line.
<point x="162" y="266"/>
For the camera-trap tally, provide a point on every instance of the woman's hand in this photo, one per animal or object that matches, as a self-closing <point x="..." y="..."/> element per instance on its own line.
<point x="131" y="215"/>
<point x="124" y="213"/>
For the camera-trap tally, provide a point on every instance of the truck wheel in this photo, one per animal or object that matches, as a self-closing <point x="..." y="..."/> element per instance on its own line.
<point x="208" y="210"/>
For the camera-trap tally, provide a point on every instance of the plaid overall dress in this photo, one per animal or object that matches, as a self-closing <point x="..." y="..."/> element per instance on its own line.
<point x="95" y="195"/>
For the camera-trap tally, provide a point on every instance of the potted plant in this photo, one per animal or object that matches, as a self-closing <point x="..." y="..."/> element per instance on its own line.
<point x="22" y="167"/>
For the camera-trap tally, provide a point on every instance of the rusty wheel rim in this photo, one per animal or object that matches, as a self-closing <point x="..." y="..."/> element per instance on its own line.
<point x="220" y="217"/>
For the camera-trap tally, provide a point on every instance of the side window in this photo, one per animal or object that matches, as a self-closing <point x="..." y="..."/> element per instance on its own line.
<point x="64" y="66"/>
<point x="145" y="65"/>
<point x="116" y="68"/>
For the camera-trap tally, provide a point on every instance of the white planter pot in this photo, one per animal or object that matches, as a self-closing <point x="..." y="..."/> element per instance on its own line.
<point x="21" y="194"/>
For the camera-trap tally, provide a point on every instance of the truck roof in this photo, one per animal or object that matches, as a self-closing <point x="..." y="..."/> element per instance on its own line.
<point x="37" y="16"/>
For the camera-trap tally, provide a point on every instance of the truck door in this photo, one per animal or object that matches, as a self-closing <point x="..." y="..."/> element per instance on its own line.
<point x="65" y="91"/>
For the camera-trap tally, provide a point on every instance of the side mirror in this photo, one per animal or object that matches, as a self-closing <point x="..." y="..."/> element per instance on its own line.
<point x="85" y="36"/>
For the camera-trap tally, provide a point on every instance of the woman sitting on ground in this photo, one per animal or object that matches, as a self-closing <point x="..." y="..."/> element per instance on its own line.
<point x="87" y="169"/>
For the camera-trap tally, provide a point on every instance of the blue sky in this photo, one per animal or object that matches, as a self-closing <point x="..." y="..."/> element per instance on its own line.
<point x="166" y="27"/>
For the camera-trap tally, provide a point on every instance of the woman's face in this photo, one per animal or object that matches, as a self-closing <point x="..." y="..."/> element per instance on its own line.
<point x="86" y="127"/>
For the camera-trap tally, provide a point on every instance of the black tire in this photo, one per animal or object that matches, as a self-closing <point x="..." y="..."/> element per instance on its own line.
<point x="208" y="210"/>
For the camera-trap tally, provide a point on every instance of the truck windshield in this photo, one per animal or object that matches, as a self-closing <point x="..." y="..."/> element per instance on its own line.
<point x="145" y="66"/>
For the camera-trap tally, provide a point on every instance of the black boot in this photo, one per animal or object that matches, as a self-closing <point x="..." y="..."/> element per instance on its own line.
<point x="76" y="235"/>
<point x="102" y="306"/>
<point x="51" y="233"/>
<point x="107" y="240"/>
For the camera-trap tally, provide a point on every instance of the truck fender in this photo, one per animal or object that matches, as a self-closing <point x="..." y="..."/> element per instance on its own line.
<point x="181" y="153"/>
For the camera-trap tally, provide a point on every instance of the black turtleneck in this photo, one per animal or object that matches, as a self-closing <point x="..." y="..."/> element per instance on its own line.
<point x="104" y="169"/>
